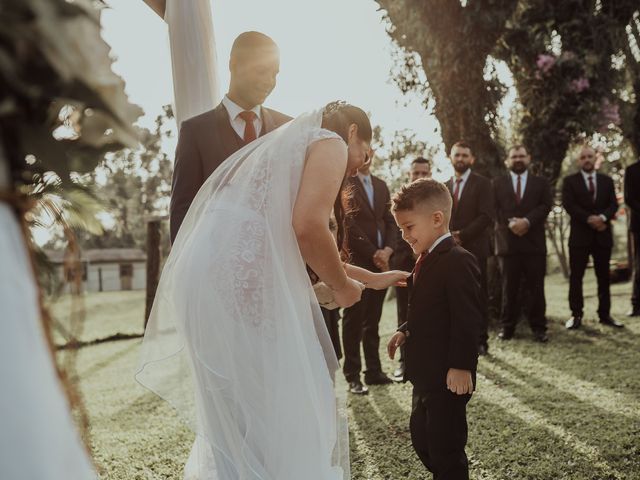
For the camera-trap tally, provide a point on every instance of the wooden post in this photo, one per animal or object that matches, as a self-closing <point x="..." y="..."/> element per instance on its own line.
<point x="153" y="264"/>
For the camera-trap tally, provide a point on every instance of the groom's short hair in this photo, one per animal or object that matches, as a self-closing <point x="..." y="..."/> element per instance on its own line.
<point x="425" y="191"/>
<point x="250" y="43"/>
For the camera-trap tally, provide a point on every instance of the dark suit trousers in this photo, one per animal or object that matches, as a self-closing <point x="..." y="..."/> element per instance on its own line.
<point x="402" y="306"/>
<point x="360" y="326"/>
<point x="532" y="268"/>
<point x="439" y="433"/>
<point x="635" y="297"/>
<point x="332" y="320"/>
<point x="578" y="259"/>
<point x="484" y="300"/>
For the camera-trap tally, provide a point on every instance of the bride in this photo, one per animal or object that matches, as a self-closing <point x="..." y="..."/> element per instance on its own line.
<point x="236" y="340"/>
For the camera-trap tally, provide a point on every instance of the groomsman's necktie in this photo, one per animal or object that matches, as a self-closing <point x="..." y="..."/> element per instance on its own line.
<point x="368" y="187"/>
<point x="456" y="192"/>
<point x="592" y="188"/>
<point x="519" y="190"/>
<point x="249" y="126"/>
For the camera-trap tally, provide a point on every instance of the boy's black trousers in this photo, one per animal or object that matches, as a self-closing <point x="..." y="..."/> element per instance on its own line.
<point x="439" y="433"/>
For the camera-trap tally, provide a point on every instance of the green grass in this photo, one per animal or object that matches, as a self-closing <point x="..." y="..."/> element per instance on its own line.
<point x="566" y="410"/>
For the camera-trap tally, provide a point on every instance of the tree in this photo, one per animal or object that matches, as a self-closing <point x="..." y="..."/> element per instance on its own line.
<point x="452" y="42"/>
<point x="560" y="55"/>
<point x="136" y="187"/>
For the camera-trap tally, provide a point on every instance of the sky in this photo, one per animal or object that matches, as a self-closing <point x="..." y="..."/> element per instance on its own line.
<point x="334" y="49"/>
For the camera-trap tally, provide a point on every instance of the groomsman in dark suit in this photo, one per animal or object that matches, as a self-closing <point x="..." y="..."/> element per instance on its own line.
<point x="590" y="200"/>
<point x="206" y="140"/>
<point x="371" y="239"/>
<point x="632" y="200"/>
<point x="523" y="201"/>
<point x="404" y="259"/>
<point x="471" y="217"/>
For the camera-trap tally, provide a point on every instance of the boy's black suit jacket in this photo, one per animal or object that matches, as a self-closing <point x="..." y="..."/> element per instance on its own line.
<point x="535" y="206"/>
<point x="473" y="214"/>
<point x="444" y="317"/>
<point x="577" y="201"/>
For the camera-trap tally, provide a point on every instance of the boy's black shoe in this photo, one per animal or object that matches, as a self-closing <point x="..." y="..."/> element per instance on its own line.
<point x="377" y="379"/>
<point x="610" y="322"/>
<point x="574" y="322"/>
<point x="357" y="388"/>
<point x="540" y="337"/>
<point x="505" y="334"/>
<point x="634" y="312"/>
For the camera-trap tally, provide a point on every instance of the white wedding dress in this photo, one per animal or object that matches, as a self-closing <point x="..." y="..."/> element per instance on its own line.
<point x="236" y="340"/>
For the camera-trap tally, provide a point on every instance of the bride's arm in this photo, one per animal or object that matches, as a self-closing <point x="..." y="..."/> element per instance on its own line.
<point x="321" y="180"/>
<point x="157" y="6"/>
<point x="377" y="281"/>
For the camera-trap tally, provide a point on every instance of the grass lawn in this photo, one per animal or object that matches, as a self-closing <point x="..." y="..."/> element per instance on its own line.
<point x="566" y="410"/>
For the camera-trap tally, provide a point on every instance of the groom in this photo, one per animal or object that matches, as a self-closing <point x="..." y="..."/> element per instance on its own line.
<point x="206" y="140"/>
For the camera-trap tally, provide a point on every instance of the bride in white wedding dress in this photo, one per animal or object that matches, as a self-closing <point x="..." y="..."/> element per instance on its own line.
<point x="236" y="338"/>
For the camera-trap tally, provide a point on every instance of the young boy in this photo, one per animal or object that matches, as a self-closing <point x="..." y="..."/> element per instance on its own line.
<point x="442" y="330"/>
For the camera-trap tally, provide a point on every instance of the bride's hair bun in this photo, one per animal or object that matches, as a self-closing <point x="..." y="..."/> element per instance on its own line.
<point x="339" y="115"/>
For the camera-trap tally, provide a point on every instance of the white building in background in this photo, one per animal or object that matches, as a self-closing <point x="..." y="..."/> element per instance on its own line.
<point x="105" y="270"/>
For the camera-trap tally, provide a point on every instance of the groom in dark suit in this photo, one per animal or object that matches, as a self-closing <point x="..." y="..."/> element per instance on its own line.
<point x="590" y="200"/>
<point x="371" y="239"/>
<point x="206" y="140"/>
<point x="471" y="217"/>
<point x="523" y="201"/>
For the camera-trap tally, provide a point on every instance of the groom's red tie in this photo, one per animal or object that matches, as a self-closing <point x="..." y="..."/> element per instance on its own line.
<point x="249" y="126"/>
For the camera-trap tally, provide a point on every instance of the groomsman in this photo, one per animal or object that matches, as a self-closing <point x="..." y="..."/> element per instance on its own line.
<point x="206" y="140"/>
<point x="523" y="201"/>
<point x="404" y="259"/>
<point x="371" y="240"/>
<point x="632" y="200"/>
<point x="471" y="216"/>
<point x="590" y="200"/>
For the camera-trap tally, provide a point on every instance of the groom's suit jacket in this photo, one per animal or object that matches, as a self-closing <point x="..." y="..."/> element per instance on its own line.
<point x="444" y="317"/>
<point x="205" y="141"/>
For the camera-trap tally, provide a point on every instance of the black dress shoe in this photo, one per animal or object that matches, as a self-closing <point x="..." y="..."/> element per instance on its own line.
<point x="483" y="349"/>
<point x="505" y="334"/>
<point x="357" y="388"/>
<point x="574" y="322"/>
<point x="398" y="373"/>
<point x="610" y="322"/>
<point x="634" y="312"/>
<point x="540" y="337"/>
<point x="377" y="379"/>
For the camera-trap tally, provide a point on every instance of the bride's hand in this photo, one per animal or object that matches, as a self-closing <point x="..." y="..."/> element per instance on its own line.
<point x="349" y="294"/>
<point x="380" y="281"/>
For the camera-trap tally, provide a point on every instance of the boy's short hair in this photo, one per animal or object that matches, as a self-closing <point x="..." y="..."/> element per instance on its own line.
<point x="424" y="191"/>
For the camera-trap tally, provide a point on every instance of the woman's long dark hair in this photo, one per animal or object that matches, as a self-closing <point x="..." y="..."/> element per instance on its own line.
<point x="338" y="117"/>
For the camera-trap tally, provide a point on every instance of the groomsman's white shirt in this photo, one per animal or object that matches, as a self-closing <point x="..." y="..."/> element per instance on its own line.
<point x="238" y="123"/>
<point x="523" y="182"/>
<point x="464" y="177"/>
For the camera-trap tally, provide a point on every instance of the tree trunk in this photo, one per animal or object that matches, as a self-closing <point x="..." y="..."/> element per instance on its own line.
<point x="153" y="265"/>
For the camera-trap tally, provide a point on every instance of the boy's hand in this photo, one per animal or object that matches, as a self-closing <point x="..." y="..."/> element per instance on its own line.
<point x="459" y="381"/>
<point x="396" y="341"/>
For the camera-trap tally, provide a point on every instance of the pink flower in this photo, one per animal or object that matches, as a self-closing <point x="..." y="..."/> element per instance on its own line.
<point x="545" y="62"/>
<point x="579" y="85"/>
<point x="609" y="114"/>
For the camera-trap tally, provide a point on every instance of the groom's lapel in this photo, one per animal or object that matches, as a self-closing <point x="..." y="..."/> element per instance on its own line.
<point x="268" y="123"/>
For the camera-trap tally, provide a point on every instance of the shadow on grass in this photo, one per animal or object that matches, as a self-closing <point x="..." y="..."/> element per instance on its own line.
<point x="603" y="433"/>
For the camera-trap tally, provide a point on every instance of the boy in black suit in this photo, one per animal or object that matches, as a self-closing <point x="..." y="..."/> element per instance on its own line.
<point x="441" y="335"/>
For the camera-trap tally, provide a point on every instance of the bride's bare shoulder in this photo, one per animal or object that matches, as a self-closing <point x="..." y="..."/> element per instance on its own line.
<point x="327" y="149"/>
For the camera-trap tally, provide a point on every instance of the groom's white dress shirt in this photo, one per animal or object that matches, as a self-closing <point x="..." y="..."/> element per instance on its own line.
<point x="238" y="123"/>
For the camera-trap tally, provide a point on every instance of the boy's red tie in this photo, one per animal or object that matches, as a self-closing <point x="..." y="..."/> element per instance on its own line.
<point x="416" y="269"/>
